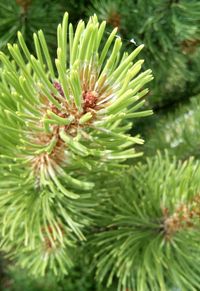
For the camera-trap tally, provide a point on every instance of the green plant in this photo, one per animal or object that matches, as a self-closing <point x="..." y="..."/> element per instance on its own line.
<point x="60" y="129"/>
<point x="147" y="227"/>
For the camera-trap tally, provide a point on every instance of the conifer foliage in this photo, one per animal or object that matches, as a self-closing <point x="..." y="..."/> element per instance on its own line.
<point x="59" y="123"/>
<point x="79" y="206"/>
<point x="150" y="232"/>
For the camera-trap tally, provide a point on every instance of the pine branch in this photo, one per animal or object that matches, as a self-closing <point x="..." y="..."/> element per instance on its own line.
<point x="155" y="210"/>
<point x="58" y="128"/>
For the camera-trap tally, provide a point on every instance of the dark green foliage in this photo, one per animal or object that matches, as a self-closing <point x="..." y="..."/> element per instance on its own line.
<point x="81" y="278"/>
<point x="171" y="33"/>
<point x="115" y="13"/>
<point x="28" y="16"/>
<point x="179" y="132"/>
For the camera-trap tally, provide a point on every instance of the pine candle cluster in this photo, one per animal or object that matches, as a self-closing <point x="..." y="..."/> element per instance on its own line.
<point x="62" y="123"/>
<point x="185" y="216"/>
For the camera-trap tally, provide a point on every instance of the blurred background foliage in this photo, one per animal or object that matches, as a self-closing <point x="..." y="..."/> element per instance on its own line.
<point x="170" y="30"/>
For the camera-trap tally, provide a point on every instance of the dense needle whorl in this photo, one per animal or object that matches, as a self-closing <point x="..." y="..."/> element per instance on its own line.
<point x="60" y="122"/>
